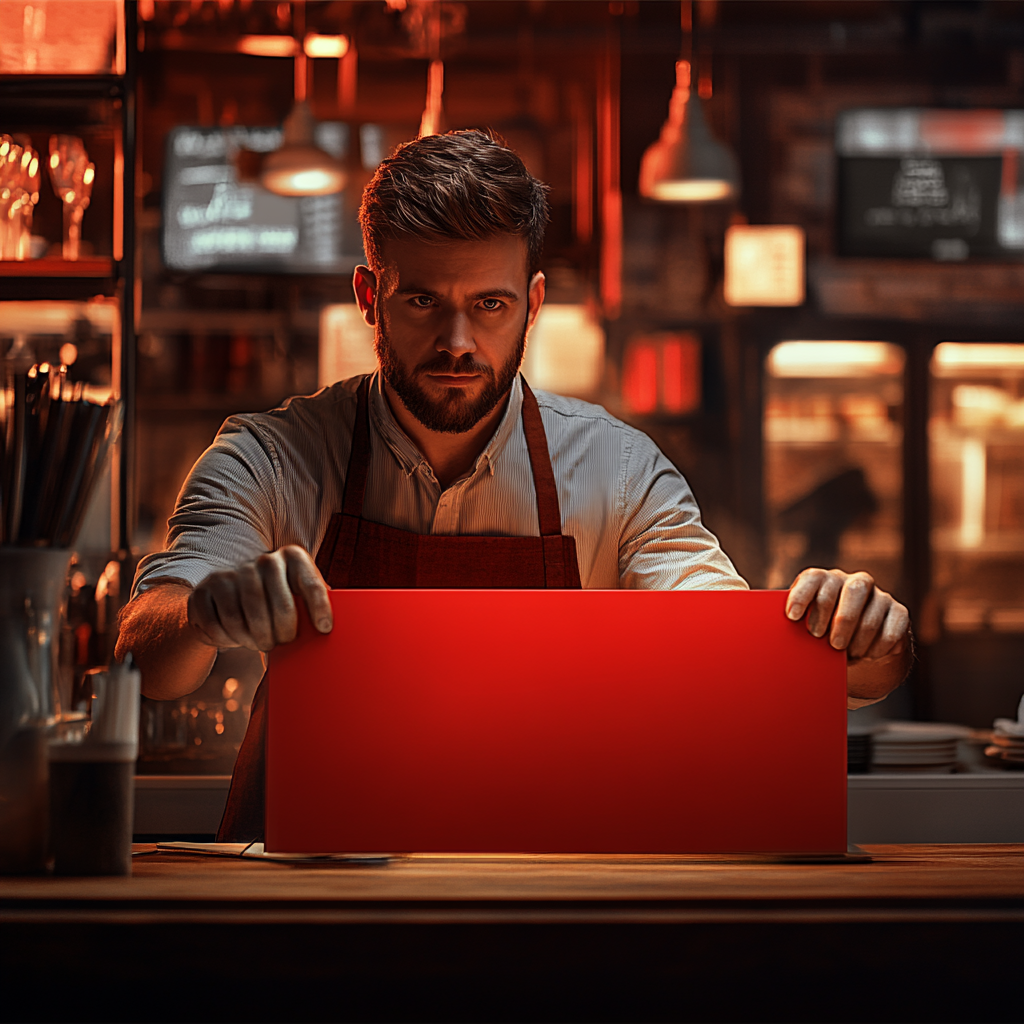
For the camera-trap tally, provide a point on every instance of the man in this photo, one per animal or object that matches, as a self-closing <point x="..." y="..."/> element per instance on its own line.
<point x="443" y="469"/>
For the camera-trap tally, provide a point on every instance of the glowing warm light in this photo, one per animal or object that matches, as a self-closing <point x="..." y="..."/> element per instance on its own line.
<point x="764" y="265"/>
<point x="973" y="473"/>
<point x="90" y="173"/>
<point x="680" y="377"/>
<point x="433" y="114"/>
<point x="26" y="158"/>
<point x="267" y="46"/>
<point x="69" y="196"/>
<point x="68" y="353"/>
<point x="33" y="167"/>
<point x="54" y="160"/>
<point x="346" y="344"/>
<point x="952" y="355"/>
<point x="100" y="394"/>
<point x="325" y="46"/>
<point x="705" y="190"/>
<point x="835" y="359"/>
<point x="4" y="146"/>
<point x="662" y="373"/>
<point x="640" y="378"/>
<point x="303" y="181"/>
<point x="565" y="352"/>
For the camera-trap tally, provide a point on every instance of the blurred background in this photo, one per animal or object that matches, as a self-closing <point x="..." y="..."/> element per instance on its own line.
<point x="787" y="240"/>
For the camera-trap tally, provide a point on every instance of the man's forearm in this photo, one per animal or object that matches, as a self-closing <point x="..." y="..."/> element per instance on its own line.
<point x="154" y="627"/>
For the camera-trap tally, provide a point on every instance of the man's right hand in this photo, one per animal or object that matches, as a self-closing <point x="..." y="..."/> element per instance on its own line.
<point x="253" y="606"/>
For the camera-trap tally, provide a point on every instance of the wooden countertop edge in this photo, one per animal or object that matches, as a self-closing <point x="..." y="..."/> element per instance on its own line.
<point x="508" y="912"/>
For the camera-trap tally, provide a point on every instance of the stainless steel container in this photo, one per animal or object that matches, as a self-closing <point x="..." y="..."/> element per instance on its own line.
<point x="32" y="584"/>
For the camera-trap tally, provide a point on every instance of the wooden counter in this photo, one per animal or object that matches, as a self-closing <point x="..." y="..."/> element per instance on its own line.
<point x="931" y="932"/>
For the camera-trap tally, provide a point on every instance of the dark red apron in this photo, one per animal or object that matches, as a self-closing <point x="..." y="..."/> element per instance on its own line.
<point x="359" y="553"/>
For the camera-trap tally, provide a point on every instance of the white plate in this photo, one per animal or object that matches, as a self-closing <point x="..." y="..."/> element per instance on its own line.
<point x="949" y="752"/>
<point x="894" y="762"/>
<point x="911" y="732"/>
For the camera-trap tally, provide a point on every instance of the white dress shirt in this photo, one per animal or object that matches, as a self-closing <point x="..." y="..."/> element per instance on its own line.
<point x="276" y="478"/>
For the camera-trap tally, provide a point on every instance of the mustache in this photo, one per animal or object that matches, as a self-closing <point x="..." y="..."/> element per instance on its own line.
<point x="446" y="363"/>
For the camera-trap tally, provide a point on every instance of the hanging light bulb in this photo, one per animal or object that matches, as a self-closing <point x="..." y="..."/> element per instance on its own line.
<point x="300" y="167"/>
<point x="687" y="164"/>
<point x="432" y="122"/>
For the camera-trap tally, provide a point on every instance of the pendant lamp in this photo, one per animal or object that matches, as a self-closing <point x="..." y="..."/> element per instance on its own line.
<point x="299" y="167"/>
<point x="687" y="164"/>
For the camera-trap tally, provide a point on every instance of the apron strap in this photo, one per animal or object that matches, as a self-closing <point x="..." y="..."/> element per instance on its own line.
<point x="549" y="514"/>
<point x="359" y="457"/>
<point x="339" y="543"/>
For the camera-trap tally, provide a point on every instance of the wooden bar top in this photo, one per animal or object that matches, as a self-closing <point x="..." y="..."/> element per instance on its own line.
<point x="898" y="879"/>
<point x="920" y="933"/>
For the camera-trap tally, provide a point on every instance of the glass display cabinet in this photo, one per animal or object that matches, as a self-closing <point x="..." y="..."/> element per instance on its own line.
<point x="976" y="436"/>
<point x="833" y="459"/>
<point x="976" y="467"/>
<point x="856" y="477"/>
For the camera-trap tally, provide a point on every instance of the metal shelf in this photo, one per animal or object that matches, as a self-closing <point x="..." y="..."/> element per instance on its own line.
<point x="88" y="266"/>
<point x="84" y="86"/>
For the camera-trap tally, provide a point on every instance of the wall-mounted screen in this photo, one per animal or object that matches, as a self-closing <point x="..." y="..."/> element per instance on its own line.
<point x="213" y="220"/>
<point x="944" y="184"/>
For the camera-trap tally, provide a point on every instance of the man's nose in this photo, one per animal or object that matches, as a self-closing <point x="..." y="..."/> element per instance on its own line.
<point x="457" y="336"/>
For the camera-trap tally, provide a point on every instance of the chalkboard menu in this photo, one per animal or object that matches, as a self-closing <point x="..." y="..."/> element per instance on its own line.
<point x="931" y="184"/>
<point x="214" y="221"/>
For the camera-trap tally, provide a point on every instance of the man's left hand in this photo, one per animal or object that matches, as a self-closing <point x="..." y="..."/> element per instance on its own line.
<point x="859" y="618"/>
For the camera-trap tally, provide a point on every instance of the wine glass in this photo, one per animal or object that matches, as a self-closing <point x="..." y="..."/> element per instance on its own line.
<point x="25" y="196"/>
<point x="72" y="176"/>
<point x="10" y="170"/>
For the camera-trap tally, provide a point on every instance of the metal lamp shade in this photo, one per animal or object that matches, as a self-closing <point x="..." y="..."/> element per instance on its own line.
<point x="688" y="164"/>
<point x="300" y="168"/>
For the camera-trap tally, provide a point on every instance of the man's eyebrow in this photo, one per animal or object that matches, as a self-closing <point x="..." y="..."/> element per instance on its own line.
<point x="497" y="293"/>
<point x="412" y="289"/>
<point x="490" y="293"/>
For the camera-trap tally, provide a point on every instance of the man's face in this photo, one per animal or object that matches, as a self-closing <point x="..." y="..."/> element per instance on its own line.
<point x="450" y="322"/>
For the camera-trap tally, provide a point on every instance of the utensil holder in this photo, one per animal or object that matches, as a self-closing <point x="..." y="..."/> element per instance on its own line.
<point x="32" y="585"/>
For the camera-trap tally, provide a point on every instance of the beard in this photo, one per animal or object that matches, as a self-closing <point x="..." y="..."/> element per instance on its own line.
<point x="455" y="412"/>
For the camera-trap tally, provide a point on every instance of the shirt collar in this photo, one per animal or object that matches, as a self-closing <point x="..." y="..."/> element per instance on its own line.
<point x="406" y="452"/>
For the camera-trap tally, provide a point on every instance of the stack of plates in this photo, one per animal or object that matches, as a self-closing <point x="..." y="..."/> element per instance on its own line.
<point x="916" y="747"/>
<point x="1007" y="749"/>
<point x="858" y="750"/>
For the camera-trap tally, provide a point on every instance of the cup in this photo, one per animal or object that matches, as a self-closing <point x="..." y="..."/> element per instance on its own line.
<point x="72" y="176"/>
<point x="31" y="588"/>
<point x="92" y="779"/>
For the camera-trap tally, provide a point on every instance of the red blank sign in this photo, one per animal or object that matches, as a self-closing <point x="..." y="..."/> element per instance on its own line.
<point x="557" y="721"/>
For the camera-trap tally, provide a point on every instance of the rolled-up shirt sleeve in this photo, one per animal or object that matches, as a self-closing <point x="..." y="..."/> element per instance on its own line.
<point x="663" y="544"/>
<point x="226" y="512"/>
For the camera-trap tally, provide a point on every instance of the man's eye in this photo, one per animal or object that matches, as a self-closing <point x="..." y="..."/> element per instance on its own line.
<point x="422" y="301"/>
<point x="491" y="305"/>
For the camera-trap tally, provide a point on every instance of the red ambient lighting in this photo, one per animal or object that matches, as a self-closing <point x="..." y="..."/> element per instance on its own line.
<point x="661" y="374"/>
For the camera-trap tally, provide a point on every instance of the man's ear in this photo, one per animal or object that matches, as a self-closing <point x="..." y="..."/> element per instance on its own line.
<point x="538" y="285"/>
<point x="364" y="284"/>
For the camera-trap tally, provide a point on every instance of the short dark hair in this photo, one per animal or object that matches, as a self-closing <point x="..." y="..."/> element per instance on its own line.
<point x="464" y="185"/>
